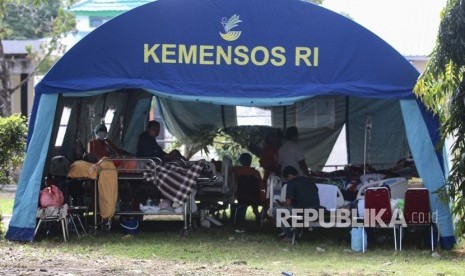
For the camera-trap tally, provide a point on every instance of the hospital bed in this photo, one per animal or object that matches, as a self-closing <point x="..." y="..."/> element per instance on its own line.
<point x="397" y="185"/>
<point x="330" y="196"/>
<point x="216" y="190"/>
<point x="137" y="169"/>
<point x="331" y="199"/>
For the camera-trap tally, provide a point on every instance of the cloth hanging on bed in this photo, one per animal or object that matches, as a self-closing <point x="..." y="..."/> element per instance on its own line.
<point x="107" y="182"/>
<point x="328" y="196"/>
<point x="174" y="181"/>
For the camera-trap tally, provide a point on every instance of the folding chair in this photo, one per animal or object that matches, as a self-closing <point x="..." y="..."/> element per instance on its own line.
<point x="54" y="214"/>
<point x="417" y="210"/>
<point x="377" y="199"/>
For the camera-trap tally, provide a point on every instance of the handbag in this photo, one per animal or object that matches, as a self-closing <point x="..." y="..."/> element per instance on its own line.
<point x="51" y="196"/>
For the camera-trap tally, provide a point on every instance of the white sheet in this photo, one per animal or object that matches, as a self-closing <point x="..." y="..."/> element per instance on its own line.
<point x="328" y="196"/>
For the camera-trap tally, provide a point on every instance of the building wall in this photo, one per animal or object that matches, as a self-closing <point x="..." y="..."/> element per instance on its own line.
<point x="82" y="23"/>
<point x="16" y="96"/>
<point x="420" y="64"/>
<point x="86" y="22"/>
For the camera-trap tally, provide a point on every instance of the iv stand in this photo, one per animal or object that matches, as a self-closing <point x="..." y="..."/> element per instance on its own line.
<point x="368" y="126"/>
<point x="91" y="110"/>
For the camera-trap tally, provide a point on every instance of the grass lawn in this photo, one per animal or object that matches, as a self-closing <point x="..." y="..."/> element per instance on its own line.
<point x="320" y="252"/>
<point x="259" y="248"/>
<point x="6" y="203"/>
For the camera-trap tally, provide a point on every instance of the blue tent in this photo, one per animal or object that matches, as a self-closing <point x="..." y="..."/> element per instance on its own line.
<point x="310" y="66"/>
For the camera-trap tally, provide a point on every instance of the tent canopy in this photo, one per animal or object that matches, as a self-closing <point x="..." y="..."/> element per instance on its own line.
<point x="313" y="68"/>
<point x="284" y="51"/>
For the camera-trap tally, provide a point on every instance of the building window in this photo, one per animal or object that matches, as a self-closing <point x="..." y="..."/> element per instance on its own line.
<point x="96" y="21"/>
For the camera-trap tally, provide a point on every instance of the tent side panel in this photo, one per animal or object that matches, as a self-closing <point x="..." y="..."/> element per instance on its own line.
<point x="32" y="118"/>
<point x="23" y="222"/>
<point x="187" y="118"/>
<point x="137" y="120"/>
<point x="319" y="120"/>
<point x="428" y="166"/>
<point x="380" y="123"/>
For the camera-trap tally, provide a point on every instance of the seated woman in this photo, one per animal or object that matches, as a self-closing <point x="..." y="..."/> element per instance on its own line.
<point x="102" y="147"/>
<point x="248" y="181"/>
<point x="96" y="166"/>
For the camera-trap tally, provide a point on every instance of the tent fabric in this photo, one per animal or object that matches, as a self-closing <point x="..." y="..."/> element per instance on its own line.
<point x="286" y="51"/>
<point x="426" y="161"/>
<point x="128" y="112"/>
<point x="318" y="133"/>
<point x="187" y="118"/>
<point x="386" y="142"/>
<point x="23" y="221"/>
<point x="270" y="53"/>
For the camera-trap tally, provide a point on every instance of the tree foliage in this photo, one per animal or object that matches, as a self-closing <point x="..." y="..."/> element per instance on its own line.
<point x="28" y="21"/>
<point x="12" y="146"/>
<point x="31" y="19"/>
<point x="442" y="89"/>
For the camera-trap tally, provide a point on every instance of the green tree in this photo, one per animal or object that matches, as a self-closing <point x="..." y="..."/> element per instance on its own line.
<point x="12" y="145"/>
<point x="31" y="19"/>
<point x="442" y="89"/>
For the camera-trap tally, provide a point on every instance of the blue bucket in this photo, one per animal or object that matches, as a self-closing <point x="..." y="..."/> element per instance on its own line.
<point x="130" y="226"/>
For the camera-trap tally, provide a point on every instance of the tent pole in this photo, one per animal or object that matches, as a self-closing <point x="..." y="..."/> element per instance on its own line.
<point x="223" y="117"/>
<point x="95" y="205"/>
<point x="284" y="118"/>
<point x="347" y="130"/>
<point x="365" y="152"/>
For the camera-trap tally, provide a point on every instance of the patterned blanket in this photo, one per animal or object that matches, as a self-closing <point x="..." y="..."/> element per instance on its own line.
<point x="175" y="181"/>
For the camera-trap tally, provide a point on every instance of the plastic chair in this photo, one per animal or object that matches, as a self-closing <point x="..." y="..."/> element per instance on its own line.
<point x="378" y="200"/>
<point x="417" y="210"/>
<point x="273" y="190"/>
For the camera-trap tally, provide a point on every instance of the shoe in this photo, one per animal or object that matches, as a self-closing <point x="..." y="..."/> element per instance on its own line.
<point x="281" y="235"/>
<point x="106" y="225"/>
<point x="286" y="239"/>
<point x="127" y="237"/>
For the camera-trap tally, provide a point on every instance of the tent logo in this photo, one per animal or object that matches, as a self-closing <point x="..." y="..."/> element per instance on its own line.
<point x="228" y="25"/>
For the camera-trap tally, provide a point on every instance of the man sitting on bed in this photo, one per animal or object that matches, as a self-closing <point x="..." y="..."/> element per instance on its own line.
<point x="148" y="147"/>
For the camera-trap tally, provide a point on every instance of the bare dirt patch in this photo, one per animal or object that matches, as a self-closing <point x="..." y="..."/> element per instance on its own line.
<point x="28" y="259"/>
